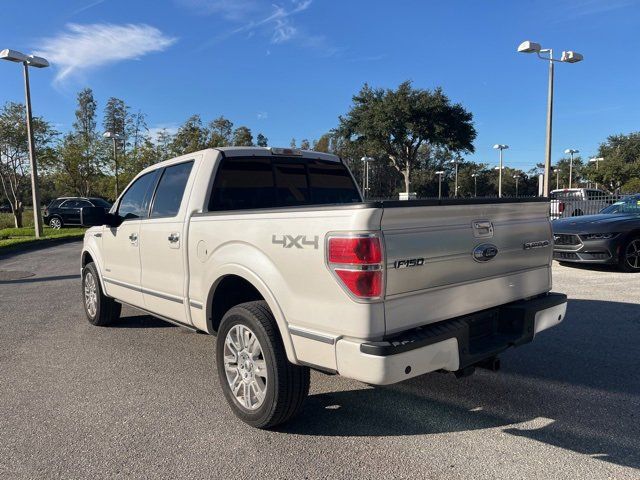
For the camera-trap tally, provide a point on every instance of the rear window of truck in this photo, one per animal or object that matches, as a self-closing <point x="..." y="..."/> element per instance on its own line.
<point x="253" y="183"/>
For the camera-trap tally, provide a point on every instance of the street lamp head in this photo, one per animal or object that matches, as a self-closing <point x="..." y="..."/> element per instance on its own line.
<point x="31" y="60"/>
<point x="111" y="135"/>
<point x="440" y="172"/>
<point x="570" y="151"/>
<point x="367" y="159"/>
<point x="529" y="47"/>
<point x="13" y="56"/>
<point x="571" y="57"/>
<point x="37" y="62"/>
<point x="499" y="146"/>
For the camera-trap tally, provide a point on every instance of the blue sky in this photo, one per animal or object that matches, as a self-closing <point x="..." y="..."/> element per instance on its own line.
<point x="288" y="69"/>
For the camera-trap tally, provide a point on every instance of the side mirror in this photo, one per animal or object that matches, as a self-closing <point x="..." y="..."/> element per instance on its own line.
<point x="96" y="216"/>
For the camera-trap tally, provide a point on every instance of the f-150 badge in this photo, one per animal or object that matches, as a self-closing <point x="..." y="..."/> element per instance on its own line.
<point x="297" y="241"/>
<point x="409" y="262"/>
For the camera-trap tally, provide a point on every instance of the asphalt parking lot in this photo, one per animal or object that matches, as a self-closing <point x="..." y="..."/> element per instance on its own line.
<point x="141" y="399"/>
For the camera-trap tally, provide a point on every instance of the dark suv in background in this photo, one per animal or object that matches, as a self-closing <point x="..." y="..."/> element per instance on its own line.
<point x="66" y="210"/>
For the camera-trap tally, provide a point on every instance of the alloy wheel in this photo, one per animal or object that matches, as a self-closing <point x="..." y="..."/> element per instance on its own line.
<point x="90" y="294"/>
<point x="632" y="254"/>
<point x="245" y="367"/>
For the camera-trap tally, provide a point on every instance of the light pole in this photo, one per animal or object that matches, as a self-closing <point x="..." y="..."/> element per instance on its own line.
<point x="517" y="177"/>
<point x="455" y="188"/>
<point x="38" y="62"/>
<point x="115" y="137"/>
<point x="597" y="161"/>
<point x="571" y="151"/>
<point x="475" y="183"/>
<point x="440" y="173"/>
<point x="365" y="174"/>
<point x="567" y="57"/>
<point x="557" y="178"/>
<point x="500" y="147"/>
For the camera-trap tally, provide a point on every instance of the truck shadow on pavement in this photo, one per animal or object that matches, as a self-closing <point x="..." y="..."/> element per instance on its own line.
<point x="575" y="387"/>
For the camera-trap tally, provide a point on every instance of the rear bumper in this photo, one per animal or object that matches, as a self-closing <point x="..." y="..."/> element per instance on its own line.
<point x="449" y="345"/>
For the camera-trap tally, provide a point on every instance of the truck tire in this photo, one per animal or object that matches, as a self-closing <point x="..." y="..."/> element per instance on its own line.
<point x="261" y="386"/>
<point x="100" y="309"/>
<point x="630" y="255"/>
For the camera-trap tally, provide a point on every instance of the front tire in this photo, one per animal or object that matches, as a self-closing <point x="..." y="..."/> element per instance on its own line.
<point x="100" y="309"/>
<point x="630" y="256"/>
<point x="261" y="386"/>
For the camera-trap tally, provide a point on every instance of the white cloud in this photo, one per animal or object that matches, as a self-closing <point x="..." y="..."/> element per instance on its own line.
<point x="283" y="31"/>
<point x="275" y="22"/>
<point x="229" y="9"/>
<point x="85" y="47"/>
<point x="262" y="115"/>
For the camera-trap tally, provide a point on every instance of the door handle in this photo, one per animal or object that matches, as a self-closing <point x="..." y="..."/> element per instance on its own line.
<point x="173" y="238"/>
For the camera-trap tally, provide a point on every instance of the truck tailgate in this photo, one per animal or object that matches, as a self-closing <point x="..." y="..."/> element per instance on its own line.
<point x="449" y="260"/>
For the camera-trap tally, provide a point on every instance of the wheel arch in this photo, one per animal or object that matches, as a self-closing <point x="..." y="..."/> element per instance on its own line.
<point x="89" y="255"/>
<point x="236" y="284"/>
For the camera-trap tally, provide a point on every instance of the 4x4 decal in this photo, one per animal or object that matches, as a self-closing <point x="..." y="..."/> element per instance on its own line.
<point x="298" y="241"/>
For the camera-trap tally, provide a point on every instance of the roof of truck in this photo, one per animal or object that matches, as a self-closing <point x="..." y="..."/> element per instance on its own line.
<point x="270" y="151"/>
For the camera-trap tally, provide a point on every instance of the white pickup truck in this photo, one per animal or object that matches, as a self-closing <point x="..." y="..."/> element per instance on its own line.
<point x="274" y="251"/>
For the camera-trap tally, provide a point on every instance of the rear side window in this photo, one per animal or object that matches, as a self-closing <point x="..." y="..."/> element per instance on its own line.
<point x="253" y="183"/>
<point x="135" y="201"/>
<point x="171" y="190"/>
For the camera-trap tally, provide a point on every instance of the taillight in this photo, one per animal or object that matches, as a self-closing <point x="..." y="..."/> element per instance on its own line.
<point x="561" y="207"/>
<point x="357" y="262"/>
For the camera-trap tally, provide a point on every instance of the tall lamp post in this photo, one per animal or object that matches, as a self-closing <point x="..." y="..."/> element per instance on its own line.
<point x="516" y="177"/>
<point x="38" y="62"/>
<point x="365" y="174"/>
<point x="455" y="188"/>
<point x="597" y="161"/>
<point x="571" y="151"/>
<point x="557" y="170"/>
<point x="567" y="57"/>
<point x="500" y="147"/>
<point x="440" y="173"/>
<point x="115" y="137"/>
<point x="475" y="183"/>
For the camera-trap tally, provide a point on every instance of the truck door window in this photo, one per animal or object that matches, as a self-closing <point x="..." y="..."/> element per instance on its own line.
<point x="135" y="201"/>
<point x="170" y="190"/>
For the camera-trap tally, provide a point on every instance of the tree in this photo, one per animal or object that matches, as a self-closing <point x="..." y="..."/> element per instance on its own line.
<point x="79" y="158"/>
<point x="14" y="154"/>
<point x="322" y="144"/>
<point x="304" y="144"/>
<point x="399" y="122"/>
<point x="220" y="132"/>
<point x="191" y="137"/>
<point x="562" y="179"/>
<point x="292" y="143"/>
<point x="621" y="164"/>
<point x="116" y="114"/>
<point x="242" y="137"/>
<point x="261" y="140"/>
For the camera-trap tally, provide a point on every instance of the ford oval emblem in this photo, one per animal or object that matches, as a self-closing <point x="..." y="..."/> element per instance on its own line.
<point x="484" y="252"/>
